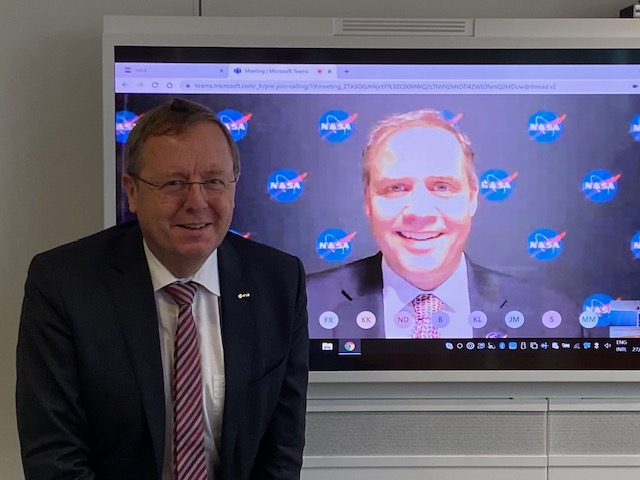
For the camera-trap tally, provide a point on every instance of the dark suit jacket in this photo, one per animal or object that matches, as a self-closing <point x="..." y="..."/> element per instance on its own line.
<point x="90" y="398"/>
<point x="491" y="292"/>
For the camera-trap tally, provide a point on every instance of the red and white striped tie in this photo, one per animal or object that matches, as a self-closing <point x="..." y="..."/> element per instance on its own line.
<point x="189" y="460"/>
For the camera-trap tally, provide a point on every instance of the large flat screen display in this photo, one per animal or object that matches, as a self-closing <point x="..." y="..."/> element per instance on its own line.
<point x="455" y="209"/>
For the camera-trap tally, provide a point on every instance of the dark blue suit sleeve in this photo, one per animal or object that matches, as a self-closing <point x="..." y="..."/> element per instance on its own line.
<point x="280" y="452"/>
<point x="51" y="421"/>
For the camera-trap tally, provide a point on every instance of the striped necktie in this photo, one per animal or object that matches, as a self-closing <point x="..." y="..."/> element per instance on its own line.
<point x="189" y="460"/>
<point x="424" y="306"/>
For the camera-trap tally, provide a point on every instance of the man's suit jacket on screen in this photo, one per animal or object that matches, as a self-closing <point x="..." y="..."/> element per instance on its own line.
<point x="90" y="387"/>
<point x="357" y="286"/>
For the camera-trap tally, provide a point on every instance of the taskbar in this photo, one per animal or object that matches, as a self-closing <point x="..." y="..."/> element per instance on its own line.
<point x="475" y="354"/>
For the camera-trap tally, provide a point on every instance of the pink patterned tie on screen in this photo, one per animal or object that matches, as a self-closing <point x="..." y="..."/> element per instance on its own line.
<point x="425" y="305"/>
<point x="189" y="460"/>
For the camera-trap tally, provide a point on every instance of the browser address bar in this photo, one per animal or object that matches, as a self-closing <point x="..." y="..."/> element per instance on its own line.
<point x="413" y="86"/>
<point x="374" y="87"/>
<point x="433" y="86"/>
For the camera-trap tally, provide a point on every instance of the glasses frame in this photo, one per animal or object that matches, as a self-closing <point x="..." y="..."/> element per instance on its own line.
<point x="184" y="185"/>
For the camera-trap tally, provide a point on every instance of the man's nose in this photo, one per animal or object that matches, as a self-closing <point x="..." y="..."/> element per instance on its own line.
<point x="421" y="202"/>
<point x="195" y="196"/>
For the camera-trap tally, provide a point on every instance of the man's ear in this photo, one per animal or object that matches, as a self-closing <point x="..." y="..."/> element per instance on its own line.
<point x="131" y="189"/>
<point x="367" y="203"/>
<point x="473" y="204"/>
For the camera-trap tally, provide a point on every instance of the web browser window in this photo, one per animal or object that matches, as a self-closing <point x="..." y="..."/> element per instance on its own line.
<point x="519" y="249"/>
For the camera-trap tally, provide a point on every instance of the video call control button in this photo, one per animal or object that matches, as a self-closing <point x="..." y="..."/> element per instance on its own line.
<point x="551" y="319"/>
<point x="440" y="319"/>
<point x="477" y="319"/>
<point x="514" y="319"/>
<point x="589" y="319"/>
<point x="404" y="319"/>
<point x="328" y="320"/>
<point x="366" y="320"/>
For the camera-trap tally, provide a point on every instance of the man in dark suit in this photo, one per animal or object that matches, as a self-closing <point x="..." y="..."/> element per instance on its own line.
<point x="421" y="193"/>
<point x="103" y="388"/>
<point x="358" y="287"/>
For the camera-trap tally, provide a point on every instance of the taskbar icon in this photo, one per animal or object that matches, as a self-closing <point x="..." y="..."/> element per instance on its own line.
<point x="523" y="345"/>
<point x="349" y="346"/>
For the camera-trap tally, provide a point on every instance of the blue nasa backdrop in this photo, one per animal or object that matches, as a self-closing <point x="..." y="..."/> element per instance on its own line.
<point x="587" y="136"/>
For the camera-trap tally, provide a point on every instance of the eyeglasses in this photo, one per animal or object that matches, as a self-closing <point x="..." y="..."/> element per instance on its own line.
<point x="179" y="188"/>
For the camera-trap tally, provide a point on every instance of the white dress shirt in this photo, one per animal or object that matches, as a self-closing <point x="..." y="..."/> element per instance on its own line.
<point x="454" y="293"/>
<point x="206" y="313"/>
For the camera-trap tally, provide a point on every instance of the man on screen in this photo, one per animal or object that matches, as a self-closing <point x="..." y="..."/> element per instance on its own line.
<point x="421" y="193"/>
<point x="165" y="348"/>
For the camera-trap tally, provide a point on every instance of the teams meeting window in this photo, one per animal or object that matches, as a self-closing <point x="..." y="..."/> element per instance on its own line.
<point x="539" y="243"/>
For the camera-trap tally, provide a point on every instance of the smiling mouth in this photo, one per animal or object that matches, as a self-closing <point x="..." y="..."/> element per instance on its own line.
<point x="418" y="236"/>
<point x="198" y="226"/>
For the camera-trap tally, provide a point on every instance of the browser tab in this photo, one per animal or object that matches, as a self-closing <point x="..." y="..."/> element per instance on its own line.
<point x="283" y="71"/>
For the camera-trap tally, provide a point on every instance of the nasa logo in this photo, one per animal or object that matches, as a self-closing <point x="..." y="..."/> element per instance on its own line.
<point x="125" y="121"/>
<point x="634" y="129"/>
<point x="545" y="127"/>
<point x="635" y="245"/>
<point x="334" y="244"/>
<point x="336" y="126"/>
<point x="452" y="118"/>
<point x="600" y="304"/>
<point x="545" y="244"/>
<point x="285" y="185"/>
<point x="600" y="186"/>
<point x="496" y="185"/>
<point x="236" y="122"/>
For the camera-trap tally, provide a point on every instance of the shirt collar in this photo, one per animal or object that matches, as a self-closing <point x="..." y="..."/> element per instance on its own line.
<point x="207" y="274"/>
<point x="448" y="291"/>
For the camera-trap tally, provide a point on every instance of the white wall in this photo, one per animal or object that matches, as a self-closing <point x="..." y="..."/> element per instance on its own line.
<point x="50" y="114"/>
<point x="418" y="8"/>
<point x="50" y="149"/>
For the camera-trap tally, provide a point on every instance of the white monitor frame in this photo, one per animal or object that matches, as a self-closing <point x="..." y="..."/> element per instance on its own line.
<point x="386" y="33"/>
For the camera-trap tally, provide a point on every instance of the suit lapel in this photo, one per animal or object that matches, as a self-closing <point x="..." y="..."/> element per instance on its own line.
<point x="132" y="293"/>
<point x="484" y="296"/>
<point x="369" y="296"/>
<point x="238" y="316"/>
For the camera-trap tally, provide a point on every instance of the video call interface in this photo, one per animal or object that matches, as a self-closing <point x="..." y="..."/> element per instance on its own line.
<point x="524" y="256"/>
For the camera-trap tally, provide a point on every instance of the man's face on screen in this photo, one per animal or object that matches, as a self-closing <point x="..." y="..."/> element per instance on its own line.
<point x="182" y="227"/>
<point x="420" y="202"/>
